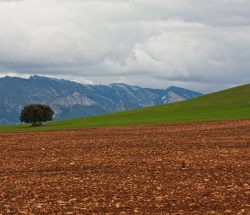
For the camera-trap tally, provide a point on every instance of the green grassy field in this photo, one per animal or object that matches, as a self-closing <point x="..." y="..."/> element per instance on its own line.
<point x="229" y="104"/>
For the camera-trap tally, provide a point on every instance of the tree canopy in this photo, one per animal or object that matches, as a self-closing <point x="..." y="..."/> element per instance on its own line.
<point x="36" y="114"/>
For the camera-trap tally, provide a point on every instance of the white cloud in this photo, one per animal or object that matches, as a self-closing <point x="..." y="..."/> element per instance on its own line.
<point x="193" y="43"/>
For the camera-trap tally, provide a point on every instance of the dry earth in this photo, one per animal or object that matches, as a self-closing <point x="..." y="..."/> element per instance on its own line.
<point x="171" y="169"/>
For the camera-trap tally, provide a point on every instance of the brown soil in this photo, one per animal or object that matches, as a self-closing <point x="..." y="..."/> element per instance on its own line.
<point x="201" y="168"/>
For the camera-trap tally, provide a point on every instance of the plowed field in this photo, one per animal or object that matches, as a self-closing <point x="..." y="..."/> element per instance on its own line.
<point x="201" y="168"/>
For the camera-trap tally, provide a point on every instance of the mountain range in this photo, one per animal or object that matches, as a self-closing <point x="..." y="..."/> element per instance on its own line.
<point x="71" y="99"/>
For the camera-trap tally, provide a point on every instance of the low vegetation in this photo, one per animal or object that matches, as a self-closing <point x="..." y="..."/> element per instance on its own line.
<point x="232" y="104"/>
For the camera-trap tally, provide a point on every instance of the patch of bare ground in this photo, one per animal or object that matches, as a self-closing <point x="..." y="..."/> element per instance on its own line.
<point x="198" y="168"/>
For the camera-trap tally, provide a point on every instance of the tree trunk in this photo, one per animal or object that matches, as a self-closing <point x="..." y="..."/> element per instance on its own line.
<point x="35" y="124"/>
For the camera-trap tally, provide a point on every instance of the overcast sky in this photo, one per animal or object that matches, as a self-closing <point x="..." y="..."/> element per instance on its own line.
<point x="200" y="44"/>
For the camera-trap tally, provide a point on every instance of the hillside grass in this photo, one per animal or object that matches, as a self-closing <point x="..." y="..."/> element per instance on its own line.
<point x="231" y="104"/>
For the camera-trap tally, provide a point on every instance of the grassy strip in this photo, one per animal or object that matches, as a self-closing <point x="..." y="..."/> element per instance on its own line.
<point x="232" y="104"/>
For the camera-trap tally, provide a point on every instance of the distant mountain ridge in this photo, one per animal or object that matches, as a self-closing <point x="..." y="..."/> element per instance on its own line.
<point x="71" y="99"/>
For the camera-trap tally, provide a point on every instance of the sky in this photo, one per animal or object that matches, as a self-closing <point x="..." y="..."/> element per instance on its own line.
<point x="198" y="44"/>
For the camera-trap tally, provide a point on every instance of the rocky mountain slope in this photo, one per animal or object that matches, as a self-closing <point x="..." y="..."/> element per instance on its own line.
<point x="70" y="99"/>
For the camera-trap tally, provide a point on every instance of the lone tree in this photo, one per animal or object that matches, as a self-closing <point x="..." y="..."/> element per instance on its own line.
<point x="36" y="114"/>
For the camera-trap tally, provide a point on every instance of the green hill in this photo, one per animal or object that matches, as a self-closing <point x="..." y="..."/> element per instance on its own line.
<point x="229" y="104"/>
